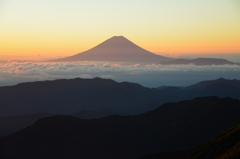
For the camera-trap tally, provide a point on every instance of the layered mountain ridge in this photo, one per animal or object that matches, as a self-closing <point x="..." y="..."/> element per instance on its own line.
<point x="102" y="95"/>
<point x="95" y="98"/>
<point x="171" y="127"/>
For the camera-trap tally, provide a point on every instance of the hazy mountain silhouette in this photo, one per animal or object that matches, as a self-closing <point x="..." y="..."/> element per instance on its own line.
<point x="220" y="87"/>
<point x="171" y="127"/>
<point x="75" y="95"/>
<point x="221" y="81"/>
<point x="102" y="95"/>
<point x="199" y="61"/>
<point x="116" y="49"/>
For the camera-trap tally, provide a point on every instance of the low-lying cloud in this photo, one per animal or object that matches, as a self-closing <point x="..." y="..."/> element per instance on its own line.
<point x="148" y="75"/>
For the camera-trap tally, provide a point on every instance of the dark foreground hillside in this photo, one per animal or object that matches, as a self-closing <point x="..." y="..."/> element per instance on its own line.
<point x="224" y="146"/>
<point x="169" y="128"/>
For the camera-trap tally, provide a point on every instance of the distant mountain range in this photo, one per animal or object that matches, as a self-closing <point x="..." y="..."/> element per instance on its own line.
<point x="75" y="95"/>
<point x="171" y="127"/>
<point x="116" y="49"/>
<point x="23" y="104"/>
<point x="120" y="49"/>
<point x="199" y="61"/>
<point x="221" y="82"/>
<point x="102" y="95"/>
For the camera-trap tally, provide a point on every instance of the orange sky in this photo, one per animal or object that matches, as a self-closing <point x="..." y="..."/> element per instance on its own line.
<point x="54" y="29"/>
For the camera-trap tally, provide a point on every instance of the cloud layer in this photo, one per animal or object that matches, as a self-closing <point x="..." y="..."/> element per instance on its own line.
<point x="147" y="75"/>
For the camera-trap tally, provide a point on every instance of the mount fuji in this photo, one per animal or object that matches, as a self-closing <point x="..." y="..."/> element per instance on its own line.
<point x="116" y="49"/>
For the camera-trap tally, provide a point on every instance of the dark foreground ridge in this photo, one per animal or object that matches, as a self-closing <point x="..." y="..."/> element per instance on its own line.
<point x="225" y="146"/>
<point x="171" y="127"/>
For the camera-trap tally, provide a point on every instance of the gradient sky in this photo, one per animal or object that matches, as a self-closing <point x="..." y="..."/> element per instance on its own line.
<point x="47" y="28"/>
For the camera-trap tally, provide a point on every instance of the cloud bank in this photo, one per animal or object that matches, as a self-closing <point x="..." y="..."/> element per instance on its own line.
<point x="12" y="73"/>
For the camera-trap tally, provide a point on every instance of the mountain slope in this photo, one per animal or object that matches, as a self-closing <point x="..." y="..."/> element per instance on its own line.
<point x="11" y="124"/>
<point x="116" y="49"/>
<point x="171" y="127"/>
<point x="225" y="145"/>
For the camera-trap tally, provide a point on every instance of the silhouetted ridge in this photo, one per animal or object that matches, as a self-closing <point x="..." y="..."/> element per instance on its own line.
<point x="117" y="49"/>
<point x="11" y="124"/>
<point x="75" y="95"/>
<point x="171" y="127"/>
<point x="221" y="81"/>
<point x="117" y="42"/>
<point x="225" y="145"/>
<point x="102" y="95"/>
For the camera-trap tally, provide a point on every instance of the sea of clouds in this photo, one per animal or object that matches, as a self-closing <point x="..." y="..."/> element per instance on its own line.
<point x="14" y="72"/>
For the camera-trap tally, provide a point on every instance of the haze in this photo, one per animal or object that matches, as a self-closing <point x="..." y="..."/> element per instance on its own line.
<point x="146" y="75"/>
